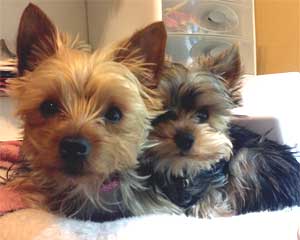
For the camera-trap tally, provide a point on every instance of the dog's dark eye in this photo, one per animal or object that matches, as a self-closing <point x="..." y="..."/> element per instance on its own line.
<point x="202" y="115"/>
<point x="167" y="116"/>
<point x="49" y="108"/>
<point x="113" y="114"/>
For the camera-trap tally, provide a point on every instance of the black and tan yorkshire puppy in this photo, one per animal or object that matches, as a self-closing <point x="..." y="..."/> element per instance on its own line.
<point x="85" y="119"/>
<point x="201" y="162"/>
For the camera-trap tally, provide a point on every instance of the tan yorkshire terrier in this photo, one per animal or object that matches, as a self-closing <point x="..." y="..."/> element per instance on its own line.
<point x="85" y="119"/>
<point x="203" y="163"/>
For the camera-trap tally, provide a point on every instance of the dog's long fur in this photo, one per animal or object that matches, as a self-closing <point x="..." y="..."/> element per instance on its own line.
<point x="83" y="87"/>
<point x="227" y="170"/>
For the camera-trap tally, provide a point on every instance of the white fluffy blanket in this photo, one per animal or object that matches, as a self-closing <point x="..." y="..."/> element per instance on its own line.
<point x="38" y="225"/>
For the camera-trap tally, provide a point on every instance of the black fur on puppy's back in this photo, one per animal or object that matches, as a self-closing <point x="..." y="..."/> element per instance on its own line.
<point x="264" y="175"/>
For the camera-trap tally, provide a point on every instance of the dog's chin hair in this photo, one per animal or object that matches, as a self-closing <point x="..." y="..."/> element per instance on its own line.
<point x="175" y="165"/>
<point x="83" y="199"/>
<point x="184" y="166"/>
<point x="146" y="200"/>
<point x="91" y="199"/>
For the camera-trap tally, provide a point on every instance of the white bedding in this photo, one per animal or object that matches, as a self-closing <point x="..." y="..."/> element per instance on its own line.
<point x="37" y="225"/>
<point x="277" y="225"/>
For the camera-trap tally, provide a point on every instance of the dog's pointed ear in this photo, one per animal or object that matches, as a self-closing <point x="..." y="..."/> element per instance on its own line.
<point x="36" y="40"/>
<point x="149" y="44"/>
<point x="227" y="65"/>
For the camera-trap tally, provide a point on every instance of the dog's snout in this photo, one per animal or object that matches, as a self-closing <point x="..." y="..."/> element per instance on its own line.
<point x="74" y="150"/>
<point x="184" y="141"/>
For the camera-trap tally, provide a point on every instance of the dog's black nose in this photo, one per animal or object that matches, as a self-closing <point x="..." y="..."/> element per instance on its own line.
<point x="184" y="140"/>
<point x="74" y="151"/>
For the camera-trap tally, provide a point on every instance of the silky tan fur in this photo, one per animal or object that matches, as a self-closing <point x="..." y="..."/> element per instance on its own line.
<point x="84" y="85"/>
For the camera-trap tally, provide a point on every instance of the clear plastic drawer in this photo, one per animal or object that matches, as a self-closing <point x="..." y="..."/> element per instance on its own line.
<point x="186" y="48"/>
<point x="212" y="17"/>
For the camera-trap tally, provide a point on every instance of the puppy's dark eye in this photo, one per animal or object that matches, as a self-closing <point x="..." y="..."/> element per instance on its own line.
<point x="167" y="116"/>
<point x="202" y="115"/>
<point x="49" y="108"/>
<point x="113" y="115"/>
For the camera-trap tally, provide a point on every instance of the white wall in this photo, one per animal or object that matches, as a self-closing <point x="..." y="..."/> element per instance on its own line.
<point x="107" y="20"/>
<point x="68" y="15"/>
<point x="112" y="20"/>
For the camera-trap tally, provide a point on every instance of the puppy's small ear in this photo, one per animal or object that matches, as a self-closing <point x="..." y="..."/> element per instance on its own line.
<point x="227" y="65"/>
<point x="149" y="44"/>
<point x="36" y="40"/>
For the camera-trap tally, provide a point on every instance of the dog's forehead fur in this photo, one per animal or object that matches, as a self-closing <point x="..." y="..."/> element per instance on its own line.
<point x="188" y="90"/>
<point x="71" y="74"/>
<point x="79" y="69"/>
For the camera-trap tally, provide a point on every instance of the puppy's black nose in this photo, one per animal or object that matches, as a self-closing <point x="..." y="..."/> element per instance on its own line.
<point x="74" y="149"/>
<point x="184" y="140"/>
